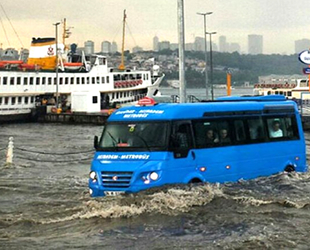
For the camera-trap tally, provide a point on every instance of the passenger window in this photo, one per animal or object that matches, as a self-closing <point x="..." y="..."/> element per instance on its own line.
<point x="211" y="133"/>
<point x="282" y="127"/>
<point x="275" y="128"/>
<point x="256" y="128"/>
<point x="239" y="131"/>
<point x="182" y="136"/>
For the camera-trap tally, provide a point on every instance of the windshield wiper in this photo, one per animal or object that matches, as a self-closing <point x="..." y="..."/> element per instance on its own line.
<point x="113" y="139"/>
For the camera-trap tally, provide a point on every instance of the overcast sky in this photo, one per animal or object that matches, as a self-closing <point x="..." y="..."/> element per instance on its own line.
<point x="281" y="22"/>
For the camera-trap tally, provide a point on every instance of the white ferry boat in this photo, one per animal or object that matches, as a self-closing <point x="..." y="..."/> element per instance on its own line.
<point x="297" y="89"/>
<point x="76" y="83"/>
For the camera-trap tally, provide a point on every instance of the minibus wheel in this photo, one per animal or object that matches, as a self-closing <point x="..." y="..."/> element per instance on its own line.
<point x="195" y="180"/>
<point x="289" y="168"/>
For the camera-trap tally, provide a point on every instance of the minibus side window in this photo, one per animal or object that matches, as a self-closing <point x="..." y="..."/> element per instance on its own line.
<point x="239" y="131"/>
<point x="212" y="133"/>
<point x="282" y="128"/>
<point x="182" y="136"/>
<point x="256" y="129"/>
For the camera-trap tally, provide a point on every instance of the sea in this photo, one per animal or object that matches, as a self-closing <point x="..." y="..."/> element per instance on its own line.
<point x="44" y="202"/>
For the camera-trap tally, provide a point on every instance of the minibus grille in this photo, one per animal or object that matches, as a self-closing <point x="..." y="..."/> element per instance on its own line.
<point x="116" y="179"/>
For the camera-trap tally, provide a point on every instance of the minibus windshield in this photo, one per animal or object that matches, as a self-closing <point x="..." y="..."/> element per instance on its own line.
<point x="142" y="136"/>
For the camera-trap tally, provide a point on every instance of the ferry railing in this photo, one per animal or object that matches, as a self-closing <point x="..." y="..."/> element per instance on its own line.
<point x="304" y="104"/>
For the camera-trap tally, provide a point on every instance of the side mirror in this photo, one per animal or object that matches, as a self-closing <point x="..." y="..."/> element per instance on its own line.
<point x="96" y="142"/>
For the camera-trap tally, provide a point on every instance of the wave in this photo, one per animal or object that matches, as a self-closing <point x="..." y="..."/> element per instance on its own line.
<point x="168" y="201"/>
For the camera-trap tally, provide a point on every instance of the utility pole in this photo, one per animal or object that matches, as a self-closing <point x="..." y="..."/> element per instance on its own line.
<point x="206" y="57"/>
<point x="181" y="51"/>
<point x="211" y="64"/>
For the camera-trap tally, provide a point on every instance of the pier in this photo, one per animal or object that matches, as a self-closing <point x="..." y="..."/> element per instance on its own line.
<point x="76" y="118"/>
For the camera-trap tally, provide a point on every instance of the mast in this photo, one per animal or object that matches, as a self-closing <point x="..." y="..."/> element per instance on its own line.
<point x="122" y="66"/>
<point x="64" y="32"/>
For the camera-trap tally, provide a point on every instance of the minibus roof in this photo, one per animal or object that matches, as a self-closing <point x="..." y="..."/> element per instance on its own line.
<point x="225" y="106"/>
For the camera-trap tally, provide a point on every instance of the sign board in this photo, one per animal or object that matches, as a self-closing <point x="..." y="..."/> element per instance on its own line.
<point x="306" y="70"/>
<point x="304" y="57"/>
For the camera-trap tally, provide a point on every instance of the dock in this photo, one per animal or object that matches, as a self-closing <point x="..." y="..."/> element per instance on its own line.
<point x="98" y="119"/>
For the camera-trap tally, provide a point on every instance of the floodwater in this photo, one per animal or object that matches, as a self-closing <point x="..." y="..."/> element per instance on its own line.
<point x="44" y="203"/>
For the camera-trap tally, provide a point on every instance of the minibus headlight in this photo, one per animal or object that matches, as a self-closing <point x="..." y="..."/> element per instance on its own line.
<point x="154" y="176"/>
<point x="92" y="175"/>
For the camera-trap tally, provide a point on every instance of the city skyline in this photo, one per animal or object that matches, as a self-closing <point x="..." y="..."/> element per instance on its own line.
<point x="281" y="23"/>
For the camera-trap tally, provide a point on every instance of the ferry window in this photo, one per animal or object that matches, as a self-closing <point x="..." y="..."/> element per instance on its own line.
<point x="78" y="80"/>
<point x="95" y="99"/>
<point x="303" y="83"/>
<point x="31" y="81"/>
<point x="5" y="80"/>
<point x="6" y="100"/>
<point x="26" y="100"/>
<point x="72" y="80"/>
<point x="32" y="99"/>
<point x="0" y="100"/>
<point x="83" y="80"/>
<point x="93" y="81"/>
<point x="54" y="80"/>
<point x="102" y="79"/>
<point x="98" y="79"/>
<point x="239" y="131"/>
<point x="13" y="100"/>
<point x="116" y="78"/>
<point x="256" y="129"/>
<point x="19" y="100"/>
<point x="60" y="80"/>
<point x="49" y="81"/>
<point x="107" y="79"/>
<point x="43" y="80"/>
<point x="37" y="80"/>
<point x="269" y="93"/>
<point x="18" y="80"/>
<point x="66" y="80"/>
<point x="25" y="81"/>
<point x="12" y="80"/>
<point x="87" y="80"/>
<point x="289" y="93"/>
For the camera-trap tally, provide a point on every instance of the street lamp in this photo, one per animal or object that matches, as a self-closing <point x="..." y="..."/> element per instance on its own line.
<point x="56" y="36"/>
<point x="211" y="63"/>
<point x="206" y="58"/>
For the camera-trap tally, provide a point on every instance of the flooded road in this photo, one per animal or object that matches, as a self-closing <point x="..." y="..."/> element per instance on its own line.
<point x="44" y="203"/>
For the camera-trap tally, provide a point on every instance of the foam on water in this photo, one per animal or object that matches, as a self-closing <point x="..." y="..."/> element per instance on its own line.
<point x="168" y="201"/>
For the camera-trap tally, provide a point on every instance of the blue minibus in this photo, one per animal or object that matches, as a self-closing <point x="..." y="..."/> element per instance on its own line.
<point x="232" y="138"/>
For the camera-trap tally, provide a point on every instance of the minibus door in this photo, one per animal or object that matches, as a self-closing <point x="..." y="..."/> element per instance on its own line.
<point x="184" y="158"/>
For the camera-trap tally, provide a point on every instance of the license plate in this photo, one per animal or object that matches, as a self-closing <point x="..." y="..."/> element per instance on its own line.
<point x="113" y="193"/>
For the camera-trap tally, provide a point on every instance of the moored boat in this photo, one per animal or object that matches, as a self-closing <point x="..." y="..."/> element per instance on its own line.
<point x="87" y="85"/>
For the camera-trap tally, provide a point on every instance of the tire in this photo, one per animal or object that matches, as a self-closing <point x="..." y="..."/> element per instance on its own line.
<point x="289" y="169"/>
<point x="195" y="180"/>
